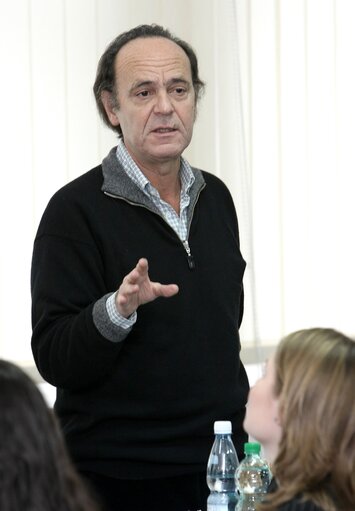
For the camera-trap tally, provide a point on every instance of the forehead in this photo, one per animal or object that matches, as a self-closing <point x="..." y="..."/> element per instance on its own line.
<point x="146" y="57"/>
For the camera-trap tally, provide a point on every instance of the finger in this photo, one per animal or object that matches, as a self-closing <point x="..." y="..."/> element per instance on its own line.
<point x="138" y="273"/>
<point x="128" y="290"/>
<point x="132" y="278"/>
<point x="165" y="290"/>
<point x="142" y="266"/>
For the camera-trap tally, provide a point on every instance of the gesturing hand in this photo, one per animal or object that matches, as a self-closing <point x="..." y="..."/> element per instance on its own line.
<point x="137" y="288"/>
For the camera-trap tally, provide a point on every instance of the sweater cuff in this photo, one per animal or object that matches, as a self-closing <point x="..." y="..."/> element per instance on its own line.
<point x="107" y="328"/>
<point x="116" y="317"/>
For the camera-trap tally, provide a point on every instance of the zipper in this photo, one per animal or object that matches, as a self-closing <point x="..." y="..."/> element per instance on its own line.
<point x="190" y="259"/>
<point x="185" y="243"/>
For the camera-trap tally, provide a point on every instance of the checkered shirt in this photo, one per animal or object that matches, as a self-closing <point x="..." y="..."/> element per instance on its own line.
<point x="176" y="222"/>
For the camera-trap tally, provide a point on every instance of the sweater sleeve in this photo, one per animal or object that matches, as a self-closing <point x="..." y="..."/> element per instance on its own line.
<point x="68" y="289"/>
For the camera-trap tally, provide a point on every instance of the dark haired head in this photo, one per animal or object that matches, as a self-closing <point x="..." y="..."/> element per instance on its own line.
<point x="36" y="473"/>
<point x="105" y="76"/>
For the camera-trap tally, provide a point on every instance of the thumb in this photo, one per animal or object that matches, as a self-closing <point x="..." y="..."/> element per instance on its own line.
<point x="165" y="290"/>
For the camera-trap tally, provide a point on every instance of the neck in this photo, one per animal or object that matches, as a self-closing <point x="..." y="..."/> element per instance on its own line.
<point x="169" y="191"/>
<point x="165" y="177"/>
<point x="270" y="452"/>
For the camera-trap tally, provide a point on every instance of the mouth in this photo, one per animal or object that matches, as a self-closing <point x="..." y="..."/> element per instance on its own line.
<point x="164" y="130"/>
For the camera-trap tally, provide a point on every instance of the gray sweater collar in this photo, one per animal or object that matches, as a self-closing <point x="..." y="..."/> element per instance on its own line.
<point x="117" y="183"/>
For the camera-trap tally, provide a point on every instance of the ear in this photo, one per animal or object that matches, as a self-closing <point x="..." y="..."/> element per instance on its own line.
<point x="277" y="412"/>
<point x="275" y="408"/>
<point x="111" y="111"/>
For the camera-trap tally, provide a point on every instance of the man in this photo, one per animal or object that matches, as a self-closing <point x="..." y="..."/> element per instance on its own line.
<point x="144" y="359"/>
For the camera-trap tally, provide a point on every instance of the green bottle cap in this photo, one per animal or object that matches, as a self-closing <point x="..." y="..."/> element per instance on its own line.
<point x="252" y="448"/>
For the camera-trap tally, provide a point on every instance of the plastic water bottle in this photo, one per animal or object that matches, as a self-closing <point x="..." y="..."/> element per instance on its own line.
<point x="252" y="478"/>
<point x="221" y="469"/>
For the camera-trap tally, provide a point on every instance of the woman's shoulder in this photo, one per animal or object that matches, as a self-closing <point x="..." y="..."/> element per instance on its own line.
<point x="298" y="504"/>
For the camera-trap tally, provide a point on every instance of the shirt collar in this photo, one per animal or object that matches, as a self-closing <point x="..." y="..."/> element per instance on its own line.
<point x="136" y="175"/>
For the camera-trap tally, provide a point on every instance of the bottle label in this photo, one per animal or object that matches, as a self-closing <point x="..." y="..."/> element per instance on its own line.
<point x="217" y="507"/>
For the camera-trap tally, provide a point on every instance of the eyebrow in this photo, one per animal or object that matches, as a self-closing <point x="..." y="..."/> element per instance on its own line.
<point x="147" y="83"/>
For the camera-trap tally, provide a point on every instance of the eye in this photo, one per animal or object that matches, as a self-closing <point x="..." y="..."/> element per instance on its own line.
<point x="180" y="91"/>
<point x="143" y="93"/>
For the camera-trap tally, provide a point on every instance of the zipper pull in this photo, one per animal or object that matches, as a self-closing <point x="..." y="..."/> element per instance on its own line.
<point x="190" y="259"/>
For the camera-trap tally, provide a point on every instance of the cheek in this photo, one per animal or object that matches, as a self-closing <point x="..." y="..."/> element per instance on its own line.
<point x="188" y="115"/>
<point x="255" y="405"/>
<point x="259" y="413"/>
<point x="256" y="395"/>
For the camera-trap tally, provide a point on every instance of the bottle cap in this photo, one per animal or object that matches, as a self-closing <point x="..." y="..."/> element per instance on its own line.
<point x="252" y="448"/>
<point x="223" y="427"/>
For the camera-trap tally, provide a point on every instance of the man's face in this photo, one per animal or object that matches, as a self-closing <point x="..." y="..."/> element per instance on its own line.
<point x="156" y="99"/>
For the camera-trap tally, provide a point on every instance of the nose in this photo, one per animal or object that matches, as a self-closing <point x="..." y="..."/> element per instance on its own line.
<point x="163" y="104"/>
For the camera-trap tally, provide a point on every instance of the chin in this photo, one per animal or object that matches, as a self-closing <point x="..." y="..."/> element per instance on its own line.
<point x="167" y="155"/>
<point x="169" y="149"/>
<point x="252" y="431"/>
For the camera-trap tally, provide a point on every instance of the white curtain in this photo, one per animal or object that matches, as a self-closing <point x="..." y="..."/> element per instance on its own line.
<point x="298" y="105"/>
<point x="276" y="124"/>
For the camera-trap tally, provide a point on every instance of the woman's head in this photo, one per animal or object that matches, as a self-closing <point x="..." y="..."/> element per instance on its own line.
<point x="314" y="385"/>
<point x="35" y="471"/>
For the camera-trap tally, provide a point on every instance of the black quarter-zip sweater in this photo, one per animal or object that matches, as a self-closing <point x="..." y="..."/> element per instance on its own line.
<point x="139" y="405"/>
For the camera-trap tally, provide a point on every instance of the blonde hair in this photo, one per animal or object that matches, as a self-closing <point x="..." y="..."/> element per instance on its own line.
<point x="315" y="383"/>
